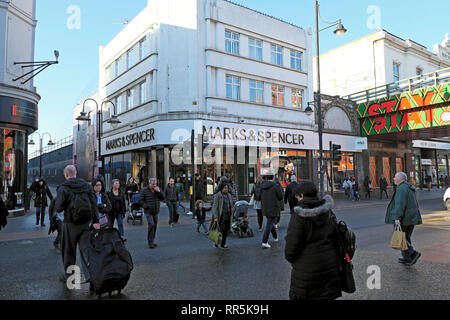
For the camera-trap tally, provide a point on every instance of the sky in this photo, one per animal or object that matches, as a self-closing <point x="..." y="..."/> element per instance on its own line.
<point x="78" y="27"/>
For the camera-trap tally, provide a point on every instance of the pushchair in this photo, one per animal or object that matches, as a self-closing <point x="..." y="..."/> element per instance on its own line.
<point x="240" y="223"/>
<point x="135" y="211"/>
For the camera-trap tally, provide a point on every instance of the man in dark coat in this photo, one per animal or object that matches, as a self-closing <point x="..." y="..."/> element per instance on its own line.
<point x="383" y="187"/>
<point x="40" y="201"/>
<point x="271" y="195"/>
<point x="289" y="195"/>
<point x="171" y="197"/>
<point x="310" y="247"/>
<point x="149" y="199"/>
<point x="198" y="187"/>
<point x="403" y="210"/>
<point x="74" y="229"/>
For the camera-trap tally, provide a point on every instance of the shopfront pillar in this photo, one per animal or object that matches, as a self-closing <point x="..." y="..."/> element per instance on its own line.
<point x="166" y="165"/>
<point x="153" y="164"/>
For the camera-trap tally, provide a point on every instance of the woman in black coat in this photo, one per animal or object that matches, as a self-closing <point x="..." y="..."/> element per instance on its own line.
<point x="310" y="247"/>
<point x="40" y="201"/>
<point x="103" y="203"/>
<point x="367" y="187"/>
<point x="118" y="207"/>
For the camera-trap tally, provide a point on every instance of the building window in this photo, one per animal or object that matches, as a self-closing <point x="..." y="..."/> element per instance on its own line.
<point x="256" y="91"/>
<point x="277" y="95"/>
<point x="297" y="98"/>
<point x="255" y="49"/>
<point x="233" y="87"/>
<point x="396" y="70"/>
<point x="296" y="60"/>
<point x="120" y="65"/>
<point x="143" y="92"/>
<point x="232" y="42"/>
<point x="109" y="73"/>
<point x="119" y="105"/>
<point x="131" y="93"/>
<point x="276" y="54"/>
<point x="133" y="56"/>
<point x="143" y="48"/>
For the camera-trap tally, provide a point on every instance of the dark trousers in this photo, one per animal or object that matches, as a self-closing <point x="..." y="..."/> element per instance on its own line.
<point x="292" y="205"/>
<point x="59" y="228"/>
<point x="173" y="215"/>
<point x="270" y="228"/>
<point x="40" y="214"/>
<point x="152" y="221"/>
<point x="71" y="237"/>
<point x="408" y="230"/>
<point x="224" y="226"/>
<point x="381" y="193"/>
<point x="367" y="194"/>
<point x="260" y="218"/>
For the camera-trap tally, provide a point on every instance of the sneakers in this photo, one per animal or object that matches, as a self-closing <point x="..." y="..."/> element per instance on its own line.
<point x="265" y="245"/>
<point x="224" y="247"/>
<point x="415" y="256"/>
<point x="260" y="229"/>
<point x="215" y="245"/>
<point x="275" y="240"/>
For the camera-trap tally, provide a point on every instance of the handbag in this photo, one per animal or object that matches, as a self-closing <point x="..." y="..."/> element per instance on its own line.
<point x="252" y="201"/>
<point x="345" y="264"/>
<point x="398" y="241"/>
<point x="214" y="234"/>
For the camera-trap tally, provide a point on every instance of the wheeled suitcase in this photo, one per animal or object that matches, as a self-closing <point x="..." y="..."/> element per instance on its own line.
<point x="109" y="262"/>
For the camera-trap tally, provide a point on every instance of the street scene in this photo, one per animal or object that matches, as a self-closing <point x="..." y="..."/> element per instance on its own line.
<point x="209" y="150"/>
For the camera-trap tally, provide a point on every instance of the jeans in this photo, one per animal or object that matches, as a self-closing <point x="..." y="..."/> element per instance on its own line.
<point x="381" y="193"/>
<point x="224" y="226"/>
<point x="203" y="224"/>
<point x="270" y="228"/>
<point x="260" y="218"/>
<point x="72" y="235"/>
<point x="119" y="218"/>
<point x="40" y="212"/>
<point x="173" y="215"/>
<point x="152" y="221"/>
<point x="408" y="230"/>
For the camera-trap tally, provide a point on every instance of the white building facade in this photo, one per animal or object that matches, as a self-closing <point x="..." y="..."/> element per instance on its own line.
<point x="239" y="78"/>
<point x="18" y="100"/>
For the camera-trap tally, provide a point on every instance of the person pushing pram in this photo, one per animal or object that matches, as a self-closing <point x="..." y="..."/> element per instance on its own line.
<point x="240" y="223"/>
<point x="135" y="211"/>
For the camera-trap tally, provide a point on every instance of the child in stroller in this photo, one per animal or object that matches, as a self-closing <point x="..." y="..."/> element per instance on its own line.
<point x="240" y="220"/>
<point x="135" y="212"/>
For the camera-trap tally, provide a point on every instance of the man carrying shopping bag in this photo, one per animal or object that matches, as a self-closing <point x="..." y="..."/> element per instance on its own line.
<point x="403" y="211"/>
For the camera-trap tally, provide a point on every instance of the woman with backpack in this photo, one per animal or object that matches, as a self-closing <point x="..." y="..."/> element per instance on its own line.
<point x="118" y="207"/>
<point x="311" y="247"/>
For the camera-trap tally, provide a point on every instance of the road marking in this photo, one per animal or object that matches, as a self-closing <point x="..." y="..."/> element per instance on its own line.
<point x="434" y="219"/>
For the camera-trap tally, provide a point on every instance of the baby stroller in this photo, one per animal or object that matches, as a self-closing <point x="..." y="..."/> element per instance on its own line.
<point x="240" y="220"/>
<point x="135" y="212"/>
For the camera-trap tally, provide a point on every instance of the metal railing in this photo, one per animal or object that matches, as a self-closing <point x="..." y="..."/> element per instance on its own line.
<point x="409" y="84"/>
<point x="47" y="149"/>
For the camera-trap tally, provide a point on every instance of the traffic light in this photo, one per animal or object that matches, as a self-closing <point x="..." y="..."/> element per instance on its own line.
<point x="336" y="152"/>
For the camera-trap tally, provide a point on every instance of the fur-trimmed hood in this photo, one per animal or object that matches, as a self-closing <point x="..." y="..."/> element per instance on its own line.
<point x="316" y="210"/>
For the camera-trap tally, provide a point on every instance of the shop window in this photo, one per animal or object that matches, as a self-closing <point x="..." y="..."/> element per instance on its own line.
<point x="399" y="165"/>
<point x="373" y="171"/>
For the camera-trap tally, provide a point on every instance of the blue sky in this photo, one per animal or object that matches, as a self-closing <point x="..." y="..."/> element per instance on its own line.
<point x="62" y="86"/>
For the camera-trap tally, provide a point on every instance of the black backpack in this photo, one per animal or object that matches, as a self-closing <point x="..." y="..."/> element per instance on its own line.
<point x="257" y="193"/>
<point x="81" y="207"/>
<point x="345" y="248"/>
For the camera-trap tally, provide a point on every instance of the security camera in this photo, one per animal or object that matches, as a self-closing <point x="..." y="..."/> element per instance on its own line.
<point x="56" y="52"/>
<point x="242" y="121"/>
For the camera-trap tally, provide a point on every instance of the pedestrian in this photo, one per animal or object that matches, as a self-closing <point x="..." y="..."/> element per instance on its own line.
<point x="131" y="188"/>
<point x="428" y="181"/>
<point x="447" y="181"/>
<point x="367" y="186"/>
<point x="403" y="210"/>
<point x="118" y="206"/>
<point x="222" y="210"/>
<point x="271" y="195"/>
<point x="355" y="189"/>
<point x="311" y="248"/>
<point x="289" y="195"/>
<point x="198" y="187"/>
<point x="103" y="203"/>
<point x="280" y="203"/>
<point x="78" y="201"/>
<point x="171" y="200"/>
<point x="3" y="214"/>
<point x="383" y="187"/>
<point x="200" y="215"/>
<point x="180" y="190"/>
<point x="40" y="202"/>
<point x="256" y="194"/>
<point x="347" y="185"/>
<point x="149" y="199"/>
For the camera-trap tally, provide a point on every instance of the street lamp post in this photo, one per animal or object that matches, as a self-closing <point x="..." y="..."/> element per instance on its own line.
<point x="340" y="31"/>
<point x="41" y="138"/>
<point x="114" y="121"/>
